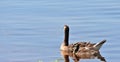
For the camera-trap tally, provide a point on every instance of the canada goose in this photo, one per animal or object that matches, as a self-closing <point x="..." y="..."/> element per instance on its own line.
<point x="81" y="50"/>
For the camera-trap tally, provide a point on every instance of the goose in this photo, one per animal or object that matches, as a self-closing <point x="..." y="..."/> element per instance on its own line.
<point x="81" y="50"/>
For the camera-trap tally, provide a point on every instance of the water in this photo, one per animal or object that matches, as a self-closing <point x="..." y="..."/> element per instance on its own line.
<point x="32" y="30"/>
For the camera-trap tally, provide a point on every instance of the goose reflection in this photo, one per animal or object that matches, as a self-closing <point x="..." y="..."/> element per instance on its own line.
<point x="80" y="50"/>
<point x="76" y="58"/>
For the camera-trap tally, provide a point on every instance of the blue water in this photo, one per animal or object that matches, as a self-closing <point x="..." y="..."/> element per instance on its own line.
<point x="32" y="30"/>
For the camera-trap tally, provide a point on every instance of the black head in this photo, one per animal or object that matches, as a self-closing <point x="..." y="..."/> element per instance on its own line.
<point x="66" y="28"/>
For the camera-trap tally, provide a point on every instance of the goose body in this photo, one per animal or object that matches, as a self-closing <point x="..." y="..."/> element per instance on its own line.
<point x="80" y="50"/>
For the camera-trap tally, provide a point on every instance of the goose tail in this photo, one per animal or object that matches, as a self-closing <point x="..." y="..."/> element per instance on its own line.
<point x="98" y="45"/>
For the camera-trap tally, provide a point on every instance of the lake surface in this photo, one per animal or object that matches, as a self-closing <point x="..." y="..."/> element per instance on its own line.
<point x="32" y="30"/>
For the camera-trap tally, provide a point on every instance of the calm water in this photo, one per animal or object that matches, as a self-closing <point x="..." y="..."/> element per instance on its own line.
<point x="32" y="30"/>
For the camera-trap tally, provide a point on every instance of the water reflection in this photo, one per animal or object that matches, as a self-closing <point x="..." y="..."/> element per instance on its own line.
<point x="75" y="58"/>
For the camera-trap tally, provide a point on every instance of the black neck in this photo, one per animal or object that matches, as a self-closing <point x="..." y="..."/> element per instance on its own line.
<point x="66" y="37"/>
